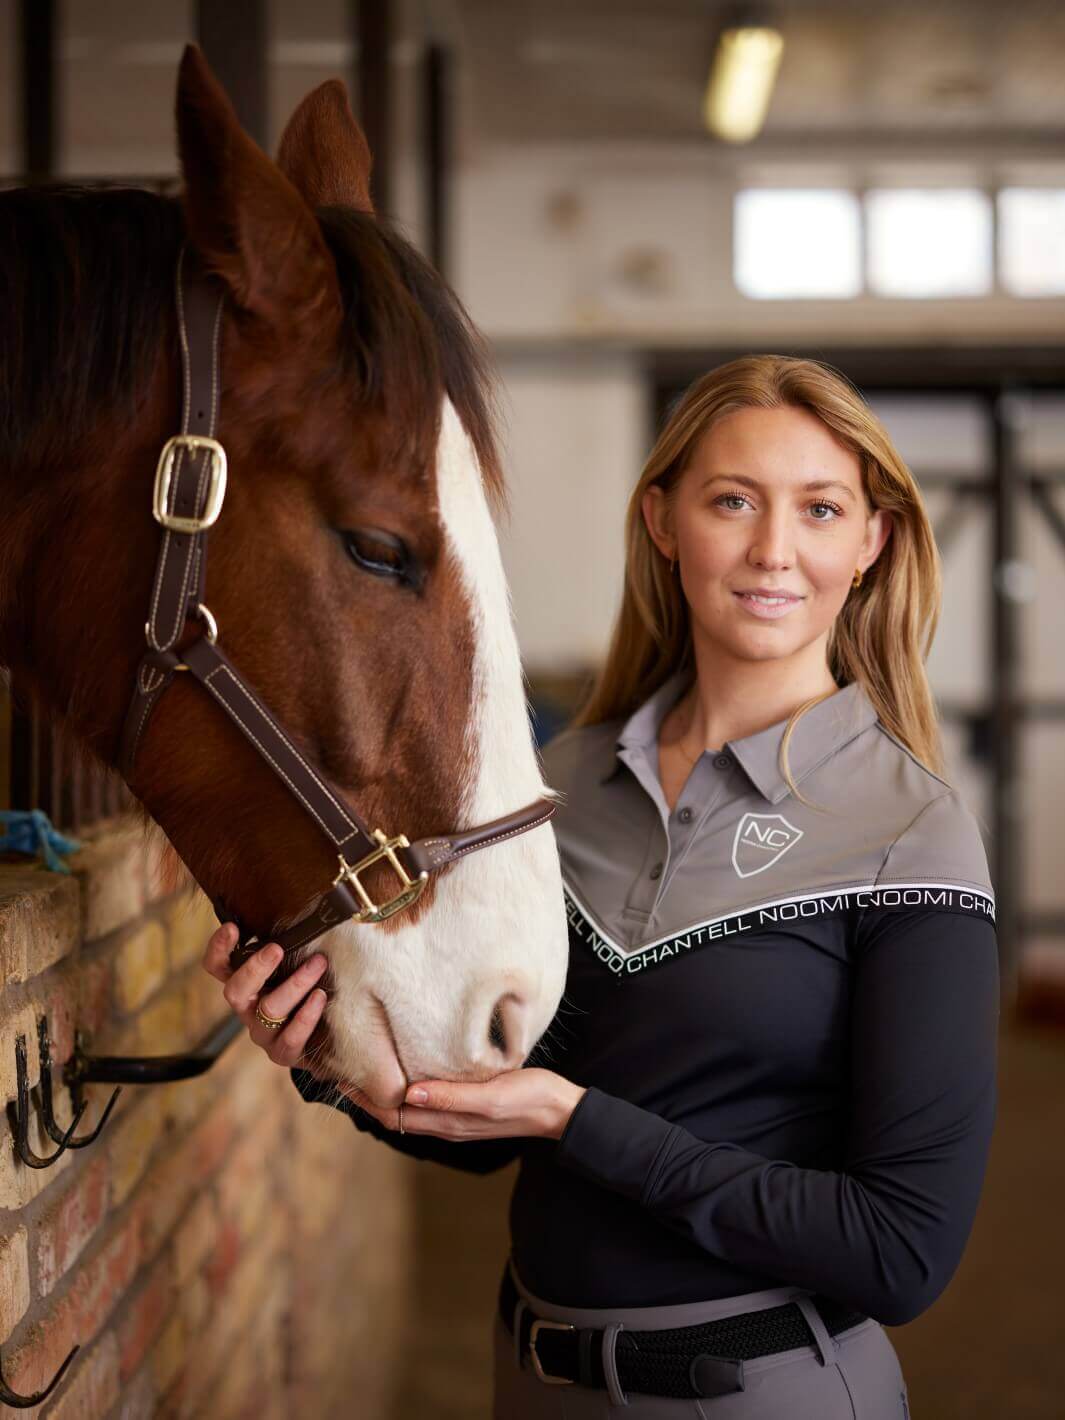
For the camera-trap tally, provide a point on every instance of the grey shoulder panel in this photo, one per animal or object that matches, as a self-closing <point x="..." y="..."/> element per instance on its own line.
<point x="944" y="833"/>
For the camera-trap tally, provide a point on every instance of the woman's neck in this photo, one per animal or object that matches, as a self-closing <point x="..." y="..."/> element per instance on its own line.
<point x="729" y="699"/>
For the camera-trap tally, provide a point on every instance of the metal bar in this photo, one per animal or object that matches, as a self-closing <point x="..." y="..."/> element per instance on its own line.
<point x="373" y="23"/>
<point x="38" y="91"/>
<point x="1007" y="816"/>
<point x="436" y="153"/>
<point x="233" y="36"/>
<point x="1040" y="491"/>
<point x="84" y="1069"/>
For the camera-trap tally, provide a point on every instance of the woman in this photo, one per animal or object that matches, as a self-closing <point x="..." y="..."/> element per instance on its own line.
<point x="772" y="1092"/>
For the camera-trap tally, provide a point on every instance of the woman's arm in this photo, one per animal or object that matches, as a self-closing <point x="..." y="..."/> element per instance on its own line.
<point x="471" y="1155"/>
<point x="886" y="1232"/>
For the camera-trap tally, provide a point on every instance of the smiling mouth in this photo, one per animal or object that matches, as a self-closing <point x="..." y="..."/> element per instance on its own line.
<point x="768" y="605"/>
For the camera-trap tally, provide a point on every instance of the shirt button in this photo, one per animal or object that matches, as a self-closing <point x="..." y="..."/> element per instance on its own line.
<point x="685" y="815"/>
<point x="723" y="761"/>
<point x="656" y="871"/>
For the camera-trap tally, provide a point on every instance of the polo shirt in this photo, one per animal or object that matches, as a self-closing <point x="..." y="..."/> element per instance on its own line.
<point x="785" y="1015"/>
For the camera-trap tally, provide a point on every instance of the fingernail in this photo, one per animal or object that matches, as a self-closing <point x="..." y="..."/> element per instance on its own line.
<point x="274" y="952"/>
<point x="417" y="1096"/>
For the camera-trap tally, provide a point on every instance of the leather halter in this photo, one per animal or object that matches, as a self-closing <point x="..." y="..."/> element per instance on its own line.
<point x="190" y="486"/>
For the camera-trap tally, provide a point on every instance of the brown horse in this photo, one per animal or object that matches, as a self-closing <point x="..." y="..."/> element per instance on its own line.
<point x="354" y="571"/>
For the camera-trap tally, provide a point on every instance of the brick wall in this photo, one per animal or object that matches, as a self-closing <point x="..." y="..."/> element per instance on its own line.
<point x="223" y="1249"/>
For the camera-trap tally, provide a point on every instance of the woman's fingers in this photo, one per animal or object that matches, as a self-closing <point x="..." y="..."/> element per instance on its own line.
<point x="284" y="999"/>
<point x="219" y="945"/>
<point x="288" y="1044"/>
<point x="243" y="986"/>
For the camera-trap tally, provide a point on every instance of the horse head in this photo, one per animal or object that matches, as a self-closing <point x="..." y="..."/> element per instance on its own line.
<point x="354" y="571"/>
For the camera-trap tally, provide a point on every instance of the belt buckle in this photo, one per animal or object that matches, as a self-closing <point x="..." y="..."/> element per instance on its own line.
<point x="541" y="1325"/>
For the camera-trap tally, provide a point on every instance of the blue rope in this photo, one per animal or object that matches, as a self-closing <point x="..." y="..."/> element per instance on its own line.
<point x="30" y="831"/>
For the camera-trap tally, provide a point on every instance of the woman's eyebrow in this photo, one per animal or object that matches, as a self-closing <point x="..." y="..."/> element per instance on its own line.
<point x="816" y="486"/>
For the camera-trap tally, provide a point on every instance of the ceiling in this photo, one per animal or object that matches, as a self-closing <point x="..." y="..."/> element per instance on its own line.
<point x="630" y="70"/>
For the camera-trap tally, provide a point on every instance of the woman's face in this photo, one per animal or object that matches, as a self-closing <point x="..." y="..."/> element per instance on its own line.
<point x="768" y="525"/>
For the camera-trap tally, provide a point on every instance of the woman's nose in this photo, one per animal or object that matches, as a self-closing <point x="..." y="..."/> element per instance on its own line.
<point x="772" y="547"/>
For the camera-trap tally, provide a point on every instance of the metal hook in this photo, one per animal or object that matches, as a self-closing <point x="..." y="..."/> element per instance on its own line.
<point x="24" y="1402"/>
<point x="22" y="1115"/>
<point x="48" y="1118"/>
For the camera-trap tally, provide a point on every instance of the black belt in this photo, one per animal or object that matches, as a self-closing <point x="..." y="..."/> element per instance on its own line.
<point x="687" y="1362"/>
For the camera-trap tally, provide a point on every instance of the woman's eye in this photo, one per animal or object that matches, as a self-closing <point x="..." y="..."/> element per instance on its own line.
<point x="735" y="502"/>
<point x="378" y="552"/>
<point x="829" y="508"/>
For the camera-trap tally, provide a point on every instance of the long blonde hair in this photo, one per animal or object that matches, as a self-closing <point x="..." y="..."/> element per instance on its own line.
<point x="884" y="630"/>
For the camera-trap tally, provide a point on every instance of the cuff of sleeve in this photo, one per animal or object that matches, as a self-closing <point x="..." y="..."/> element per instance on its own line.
<point x="615" y="1143"/>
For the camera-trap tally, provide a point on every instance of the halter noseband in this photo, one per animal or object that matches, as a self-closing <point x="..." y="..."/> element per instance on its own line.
<point x="190" y="485"/>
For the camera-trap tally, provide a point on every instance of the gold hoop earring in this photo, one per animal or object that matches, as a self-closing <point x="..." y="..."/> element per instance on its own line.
<point x="856" y="581"/>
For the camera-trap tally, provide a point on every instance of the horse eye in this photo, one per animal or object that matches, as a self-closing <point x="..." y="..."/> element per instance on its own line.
<point x="377" y="551"/>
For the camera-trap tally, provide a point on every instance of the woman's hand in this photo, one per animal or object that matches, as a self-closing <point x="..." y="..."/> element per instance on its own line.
<point x="285" y="1046"/>
<point x="527" y="1103"/>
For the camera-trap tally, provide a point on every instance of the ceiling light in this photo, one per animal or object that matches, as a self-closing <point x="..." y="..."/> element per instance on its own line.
<point x="740" y="84"/>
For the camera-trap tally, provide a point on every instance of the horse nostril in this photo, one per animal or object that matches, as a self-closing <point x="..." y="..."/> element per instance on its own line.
<point x="497" y="1032"/>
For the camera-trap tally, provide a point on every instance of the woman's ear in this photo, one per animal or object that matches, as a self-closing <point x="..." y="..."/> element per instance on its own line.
<point x="658" y="519"/>
<point x="877" y="532"/>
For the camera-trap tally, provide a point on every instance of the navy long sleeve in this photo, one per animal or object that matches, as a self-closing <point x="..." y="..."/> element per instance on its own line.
<point x="470" y="1155"/>
<point x="885" y="1231"/>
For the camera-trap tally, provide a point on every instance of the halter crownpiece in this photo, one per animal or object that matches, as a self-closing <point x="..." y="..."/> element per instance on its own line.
<point x="189" y="491"/>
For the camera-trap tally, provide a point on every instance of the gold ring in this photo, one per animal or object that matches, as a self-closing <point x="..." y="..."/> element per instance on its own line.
<point x="270" y="1022"/>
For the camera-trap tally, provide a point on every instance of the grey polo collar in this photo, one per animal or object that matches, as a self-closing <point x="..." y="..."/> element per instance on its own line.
<point x="821" y="732"/>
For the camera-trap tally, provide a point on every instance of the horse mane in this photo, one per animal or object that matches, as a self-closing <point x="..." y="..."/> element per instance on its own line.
<point x="87" y="285"/>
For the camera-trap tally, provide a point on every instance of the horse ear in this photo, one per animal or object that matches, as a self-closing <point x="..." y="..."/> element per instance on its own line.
<point x="246" y="220"/>
<point x="323" y="152"/>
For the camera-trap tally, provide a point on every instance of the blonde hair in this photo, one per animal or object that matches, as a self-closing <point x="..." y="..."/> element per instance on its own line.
<point x="884" y="630"/>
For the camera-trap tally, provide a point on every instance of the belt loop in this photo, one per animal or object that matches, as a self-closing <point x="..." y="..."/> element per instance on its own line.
<point x="825" y="1345"/>
<point x="610" y="1368"/>
<point x="519" y="1309"/>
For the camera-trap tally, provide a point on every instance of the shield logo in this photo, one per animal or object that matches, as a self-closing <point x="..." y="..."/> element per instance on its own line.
<point x="762" y="839"/>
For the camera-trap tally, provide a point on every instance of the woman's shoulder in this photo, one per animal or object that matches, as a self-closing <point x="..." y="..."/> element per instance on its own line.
<point x="579" y="754"/>
<point x="932" y="830"/>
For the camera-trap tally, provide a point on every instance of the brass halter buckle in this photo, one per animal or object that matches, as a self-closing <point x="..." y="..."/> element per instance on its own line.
<point x="410" y="890"/>
<point x="216" y="488"/>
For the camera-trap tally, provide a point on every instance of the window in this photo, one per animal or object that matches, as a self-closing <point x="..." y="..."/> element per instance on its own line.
<point x="797" y="242"/>
<point x="914" y="243"/>
<point x="1031" y="240"/>
<point x="925" y="242"/>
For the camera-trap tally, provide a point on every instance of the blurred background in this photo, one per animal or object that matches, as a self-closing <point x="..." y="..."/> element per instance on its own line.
<point x="626" y="193"/>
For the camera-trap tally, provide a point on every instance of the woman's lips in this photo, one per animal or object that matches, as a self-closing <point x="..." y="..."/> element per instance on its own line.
<point x="768" y="606"/>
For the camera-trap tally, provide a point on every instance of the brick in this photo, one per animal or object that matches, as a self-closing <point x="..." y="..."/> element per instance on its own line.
<point x="177" y="1175"/>
<point x="110" y="868"/>
<point x="195" y="1238"/>
<point x="20" y="1022"/>
<point x="191" y="920"/>
<point x="39" y="920"/>
<point x="159" y="1029"/>
<point x="169" y="1354"/>
<point x="164" y="871"/>
<point x="14" y="1281"/>
<point x="55" y="996"/>
<point x="64" y="1230"/>
<point x="20" y="1184"/>
<point x="139" y="1399"/>
<point x="140" y="966"/>
<point x="80" y="1312"/>
<point x="143" y="1318"/>
<point x="92" y="1386"/>
<point x="130" y="1144"/>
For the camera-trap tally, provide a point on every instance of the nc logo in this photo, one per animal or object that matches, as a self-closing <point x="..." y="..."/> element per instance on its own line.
<point x="760" y="840"/>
